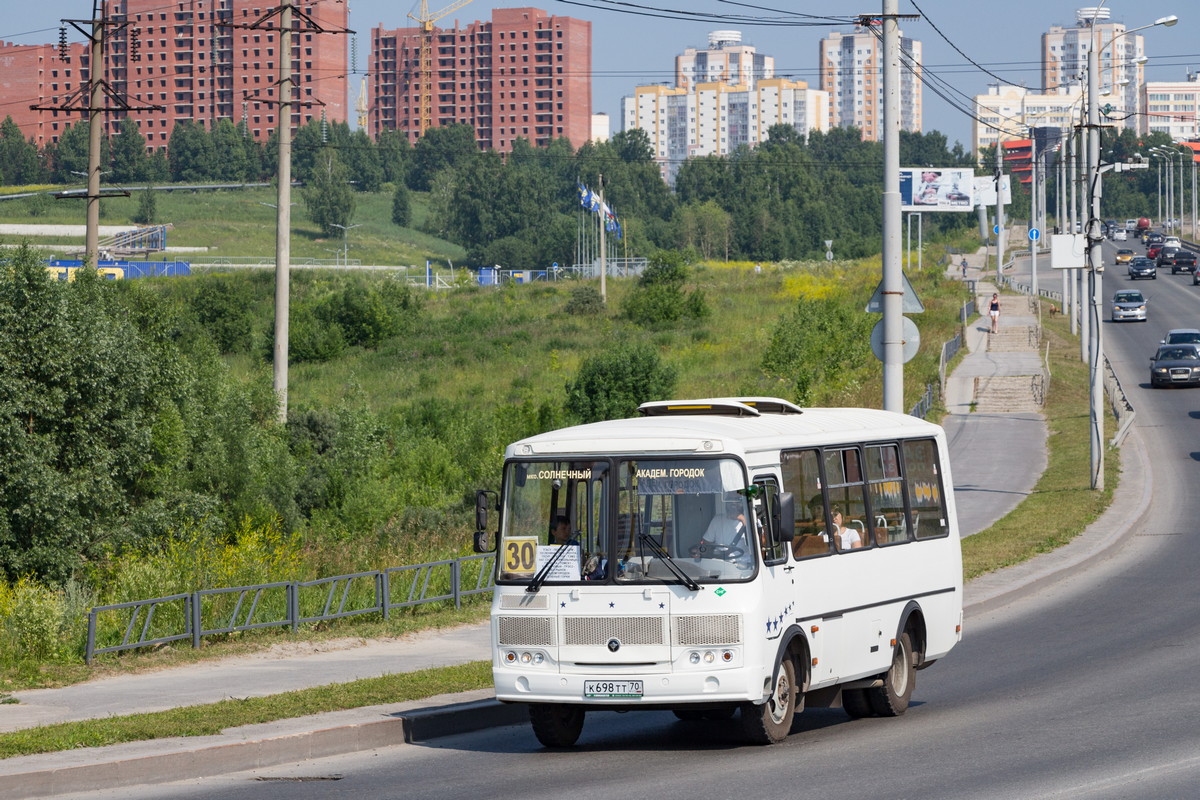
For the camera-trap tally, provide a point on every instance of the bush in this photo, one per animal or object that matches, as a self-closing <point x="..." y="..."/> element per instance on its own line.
<point x="659" y="299"/>
<point x="613" y="385"/>
<point x="585" y="300"/>
<point x="35" y="621"/>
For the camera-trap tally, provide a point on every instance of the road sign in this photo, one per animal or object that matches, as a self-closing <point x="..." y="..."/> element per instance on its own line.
<point x="911" y="339"/>
<point x="1034" y="234"/>
<point x="829" y="255"/>
<point x="910" y="303"/>
<point x="996" y="229"/>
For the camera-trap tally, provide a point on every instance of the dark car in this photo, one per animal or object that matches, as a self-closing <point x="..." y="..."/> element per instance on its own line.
<point x="1142" y="267"/>
<point x="1154" y="238"/>
<point x="1177" y="259"/>
<point x="1175" y="365"/>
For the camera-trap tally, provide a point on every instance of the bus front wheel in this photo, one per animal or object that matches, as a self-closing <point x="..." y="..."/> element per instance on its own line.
<point x="771" y="722"/>
<point x="556" y="725"/>
<point x="891" y="699"/>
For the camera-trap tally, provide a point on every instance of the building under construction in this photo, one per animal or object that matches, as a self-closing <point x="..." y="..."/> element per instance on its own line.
<point x="522" y="74"/>
<point x="192" y="60"/>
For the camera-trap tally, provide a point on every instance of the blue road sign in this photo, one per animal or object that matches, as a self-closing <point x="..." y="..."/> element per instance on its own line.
<point x="1034" y="234"/>
<point x="996" y="229"/>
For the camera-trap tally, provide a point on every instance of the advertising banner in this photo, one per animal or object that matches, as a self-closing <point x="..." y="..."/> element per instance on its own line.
<point x="935" y="189"/>
<point x="985" y="190"/>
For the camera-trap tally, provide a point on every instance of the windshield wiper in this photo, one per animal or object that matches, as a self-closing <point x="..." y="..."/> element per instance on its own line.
<point x="658" y="550"/>
<point x="544" y="572"/>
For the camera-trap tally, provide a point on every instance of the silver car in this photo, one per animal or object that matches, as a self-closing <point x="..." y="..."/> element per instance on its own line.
<point x="1127" y="305"/>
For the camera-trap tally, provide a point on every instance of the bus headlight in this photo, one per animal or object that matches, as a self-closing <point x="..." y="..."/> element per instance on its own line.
<point x="694" y="657"/>
<point x="709" y="656"/>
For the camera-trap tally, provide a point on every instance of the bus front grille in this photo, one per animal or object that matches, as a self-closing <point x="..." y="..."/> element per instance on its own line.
<point x="526" y="631"/>
<point x="708" y="630"/>
<point x="598" y="630"/>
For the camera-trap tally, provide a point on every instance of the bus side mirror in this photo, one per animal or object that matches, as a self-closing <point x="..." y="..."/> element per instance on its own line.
<point x="784" y="509"/>
<point x="483" y="542"/>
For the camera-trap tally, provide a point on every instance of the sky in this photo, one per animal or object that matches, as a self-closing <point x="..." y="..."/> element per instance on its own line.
<point x="631" y="49"/>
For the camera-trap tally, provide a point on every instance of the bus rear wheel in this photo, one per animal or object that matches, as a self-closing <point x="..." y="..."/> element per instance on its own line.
<point x="556" y="725"/>
<point x="891" y="699"/>
<point x="771" y="722"/>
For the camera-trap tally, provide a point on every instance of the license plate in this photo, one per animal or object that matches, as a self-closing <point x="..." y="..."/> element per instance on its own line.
<point x="622" y="688"/>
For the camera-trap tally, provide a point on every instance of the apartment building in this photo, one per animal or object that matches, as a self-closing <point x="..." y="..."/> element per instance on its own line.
<point x="851" y="72"/>
<point x="194" y="60"/>
<point x="1007" y="113"/>
<point x="40" y="74"/>
<point x="724" y="97"/>
<point x="1172" y="108"/>
<point x="1120" y="58"/>
<point x="522" y="74"/>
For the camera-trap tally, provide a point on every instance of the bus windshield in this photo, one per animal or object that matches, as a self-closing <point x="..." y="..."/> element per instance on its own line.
<point x="674" y="520"/>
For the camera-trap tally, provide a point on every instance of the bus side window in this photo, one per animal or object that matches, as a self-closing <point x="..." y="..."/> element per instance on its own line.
<point x="924" y="482"/>
<point x="801" y="471"/>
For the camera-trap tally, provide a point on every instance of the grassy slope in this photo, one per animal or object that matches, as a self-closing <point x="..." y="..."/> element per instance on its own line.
<point x="237" y="224"/>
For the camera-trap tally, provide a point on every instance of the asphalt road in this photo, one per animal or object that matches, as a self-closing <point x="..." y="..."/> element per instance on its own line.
<point x="1082" y="689"/>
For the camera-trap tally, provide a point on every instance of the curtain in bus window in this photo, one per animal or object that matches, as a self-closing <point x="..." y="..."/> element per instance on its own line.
<point x="925" y="497"/>
<point x="843" y="474"/>
<point x="888" y="520"/>
<point x="802" y="477"/>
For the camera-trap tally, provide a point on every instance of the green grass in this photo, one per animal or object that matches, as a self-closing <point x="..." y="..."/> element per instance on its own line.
<point x="235" y="223"/>
<point x="212" y="718"/>
<point x="1062" y="503"/>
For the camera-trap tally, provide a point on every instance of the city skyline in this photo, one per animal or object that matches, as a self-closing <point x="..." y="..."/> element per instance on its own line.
<point x="632" y="49"/>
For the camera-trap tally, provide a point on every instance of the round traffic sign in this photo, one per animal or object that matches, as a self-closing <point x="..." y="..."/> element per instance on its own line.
<point x="996" y="229"/>
<point x="1034" y="234"/>
<point x="829" y="255"/>
<point x="911" y="341"/>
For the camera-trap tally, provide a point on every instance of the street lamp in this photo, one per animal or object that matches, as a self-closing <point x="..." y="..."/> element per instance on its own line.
<point x="1095" y="254"/>
<point x="1168" y="154"/>
<point x="1154" y="153"/>
<point x="345" y="241"/>
<point x="1191" y="157"/>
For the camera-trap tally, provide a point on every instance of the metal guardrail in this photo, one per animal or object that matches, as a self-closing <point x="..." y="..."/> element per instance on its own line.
<point x="925" y="404"/>
<point x="1121" y="407"/>
<point x="210" y="612"/>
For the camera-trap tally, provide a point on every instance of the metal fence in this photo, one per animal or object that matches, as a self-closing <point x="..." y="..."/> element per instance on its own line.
<point x="211" y="612"/>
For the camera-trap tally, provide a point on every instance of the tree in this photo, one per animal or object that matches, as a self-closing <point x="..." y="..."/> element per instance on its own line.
<point x="612" y="385"/>
<point x="439" y="148"/>
<point x="362" y="162"/>
<point x="18" y="158"/>
<point x="394" y="154"/>
<point x="328" y="197"/>
<point x="234" y="164"/>
<point x="147" y="209"/>
<point x="129" y="153"/>
<point x="401" y="206"/>
<point x="191" y="153"/>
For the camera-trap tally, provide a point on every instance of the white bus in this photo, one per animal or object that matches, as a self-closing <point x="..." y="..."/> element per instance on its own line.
<point x="722" y="556"/>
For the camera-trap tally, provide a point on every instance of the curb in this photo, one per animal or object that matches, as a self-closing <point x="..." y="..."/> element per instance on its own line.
<point x="253" y="746"/>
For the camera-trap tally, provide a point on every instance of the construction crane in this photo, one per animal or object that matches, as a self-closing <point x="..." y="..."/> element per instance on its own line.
<point x="425" y="69"/>
<point x="361" y="105"/>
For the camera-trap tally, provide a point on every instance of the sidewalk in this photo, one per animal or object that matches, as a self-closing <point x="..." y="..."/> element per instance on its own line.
<point x="994" y="424"/>
<point x="982" y="444"/>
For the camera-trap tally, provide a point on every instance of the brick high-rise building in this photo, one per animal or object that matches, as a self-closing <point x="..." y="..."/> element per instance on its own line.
<point x="183" y="56"/>
<point x="522" y="74"/>
<point x="38" y="74"/>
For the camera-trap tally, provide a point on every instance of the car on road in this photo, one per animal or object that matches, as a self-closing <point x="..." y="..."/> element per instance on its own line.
<point x="1175" y="365"/>
<point x="1172" y="241"/>
<point x="1185" y="260"/>
<point x="1119" y="235"/>
<point x="1124" y="255"/>
<point x="1142" y="267"/>
<point x="1182" y="336"/>
<point x="1153" y="237"/>
<point x="1153" y="249"/>
<point x="1128" y="304"/>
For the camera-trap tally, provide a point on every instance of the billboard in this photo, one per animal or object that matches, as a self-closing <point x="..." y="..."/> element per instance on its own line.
<point x="935" y="189"/>
<point x="985" y="190"/>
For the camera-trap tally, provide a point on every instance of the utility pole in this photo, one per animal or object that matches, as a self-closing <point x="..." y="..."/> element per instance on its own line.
<point x="1095" y="265"/>
<point x="97" y="89"/>
<point x="892" y="285"/>
<point x="1033" y="211"/>
<point x="999" y="210"/>
<point x="285" y="86"/>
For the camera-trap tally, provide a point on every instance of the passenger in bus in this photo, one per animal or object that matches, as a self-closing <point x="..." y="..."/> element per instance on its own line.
<point x="845" y="537"/>
<point x="561" y="534"/>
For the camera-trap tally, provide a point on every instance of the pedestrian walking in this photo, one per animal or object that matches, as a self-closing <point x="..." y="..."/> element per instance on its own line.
<point x="964" y="267"/>
<point x="994" y="312"/>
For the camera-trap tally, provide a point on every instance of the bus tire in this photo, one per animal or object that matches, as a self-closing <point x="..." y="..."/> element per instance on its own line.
<point x="891" y="699"/>
<point x="555" y="724"/>
<point x="771" y="722"/>
<point x="855" y="703"/>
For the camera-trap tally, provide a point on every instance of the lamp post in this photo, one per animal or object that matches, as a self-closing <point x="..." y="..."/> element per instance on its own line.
<point x="1191" y="154"/>
<point x="345" y="240"/>
<point x="1095" y="263"/>
<point x="1167" y="154"/>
